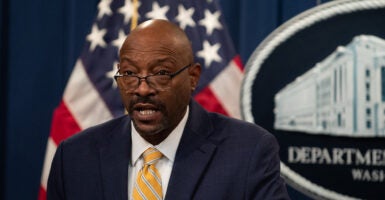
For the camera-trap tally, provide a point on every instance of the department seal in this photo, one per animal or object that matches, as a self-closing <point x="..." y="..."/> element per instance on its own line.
<point x="318" y="84"/>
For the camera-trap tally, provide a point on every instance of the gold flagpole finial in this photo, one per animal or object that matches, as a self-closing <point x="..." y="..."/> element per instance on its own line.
<point x="134" y="19"/>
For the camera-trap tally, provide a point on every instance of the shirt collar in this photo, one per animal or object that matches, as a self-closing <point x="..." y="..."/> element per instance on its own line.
<point x="167" y="147"/>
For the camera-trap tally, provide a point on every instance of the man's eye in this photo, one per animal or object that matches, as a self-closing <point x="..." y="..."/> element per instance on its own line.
<point x="128" y="73"/>
<point x="162" y="72"/>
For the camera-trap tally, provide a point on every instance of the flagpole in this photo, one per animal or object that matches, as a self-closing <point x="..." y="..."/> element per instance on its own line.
<point x="134" y="21"/>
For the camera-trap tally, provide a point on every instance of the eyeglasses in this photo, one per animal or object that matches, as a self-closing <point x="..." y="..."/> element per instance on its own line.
<point x="159" y="82"/>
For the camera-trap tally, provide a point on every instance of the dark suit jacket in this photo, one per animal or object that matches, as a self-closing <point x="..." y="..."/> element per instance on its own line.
<point x="217" y="158"/>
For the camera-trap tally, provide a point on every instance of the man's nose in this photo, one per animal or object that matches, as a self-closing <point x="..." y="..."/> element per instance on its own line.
<point x="144" y="88"/>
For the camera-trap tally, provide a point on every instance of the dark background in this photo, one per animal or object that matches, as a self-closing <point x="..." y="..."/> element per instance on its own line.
<point x="40" y="41"/>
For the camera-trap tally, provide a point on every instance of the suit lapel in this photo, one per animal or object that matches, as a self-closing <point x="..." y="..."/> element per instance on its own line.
<point x="193" y="155"/>
<point x="114" y="160"/>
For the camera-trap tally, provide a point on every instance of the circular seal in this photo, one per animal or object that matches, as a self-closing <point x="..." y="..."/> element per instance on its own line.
<point x="318" y="84"/>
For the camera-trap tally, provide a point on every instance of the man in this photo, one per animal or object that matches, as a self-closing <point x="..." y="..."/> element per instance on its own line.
<point x="195" y="154"/>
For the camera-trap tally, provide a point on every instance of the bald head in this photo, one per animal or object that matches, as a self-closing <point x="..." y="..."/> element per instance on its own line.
<point x="160" y="27"/>
<point x="160" y="33"/>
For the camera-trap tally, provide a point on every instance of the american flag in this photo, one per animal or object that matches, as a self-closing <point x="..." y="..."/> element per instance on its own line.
<point x="91" y="96"/>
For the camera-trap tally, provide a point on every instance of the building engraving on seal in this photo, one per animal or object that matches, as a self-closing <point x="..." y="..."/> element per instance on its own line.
<point x="343" y="95"/>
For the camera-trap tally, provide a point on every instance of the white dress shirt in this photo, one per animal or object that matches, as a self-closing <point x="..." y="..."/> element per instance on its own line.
<point x="167" y="147"/>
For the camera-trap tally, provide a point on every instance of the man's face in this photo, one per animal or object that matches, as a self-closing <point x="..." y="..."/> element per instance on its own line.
<point x="155" y="113"/>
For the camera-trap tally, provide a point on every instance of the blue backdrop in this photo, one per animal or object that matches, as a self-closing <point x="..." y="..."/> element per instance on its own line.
<point x="40" y="41"/>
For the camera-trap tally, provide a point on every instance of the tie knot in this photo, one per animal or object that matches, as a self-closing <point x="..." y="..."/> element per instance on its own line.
<point x="151" y="156"/>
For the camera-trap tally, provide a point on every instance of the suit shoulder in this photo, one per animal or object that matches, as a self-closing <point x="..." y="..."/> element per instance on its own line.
<point x="97" y="132"/>
<point x="237" y="126"/>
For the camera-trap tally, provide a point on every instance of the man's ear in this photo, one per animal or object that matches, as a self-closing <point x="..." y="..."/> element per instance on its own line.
<point x="195" y="73"/>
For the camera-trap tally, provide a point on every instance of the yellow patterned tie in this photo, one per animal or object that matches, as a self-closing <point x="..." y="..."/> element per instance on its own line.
<point x="148" y="185"/>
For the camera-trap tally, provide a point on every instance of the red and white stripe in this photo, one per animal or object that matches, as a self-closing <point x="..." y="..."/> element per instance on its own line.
<point x="81" y="107"/>
<point x="222" y="94"/>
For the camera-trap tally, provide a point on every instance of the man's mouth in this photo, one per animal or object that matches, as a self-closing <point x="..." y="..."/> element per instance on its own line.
<point x="145" y="108"/>
<point x="147" y="112"/>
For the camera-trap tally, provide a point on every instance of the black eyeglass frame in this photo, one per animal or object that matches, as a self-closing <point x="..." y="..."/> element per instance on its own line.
<point x="171" y="75"/>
